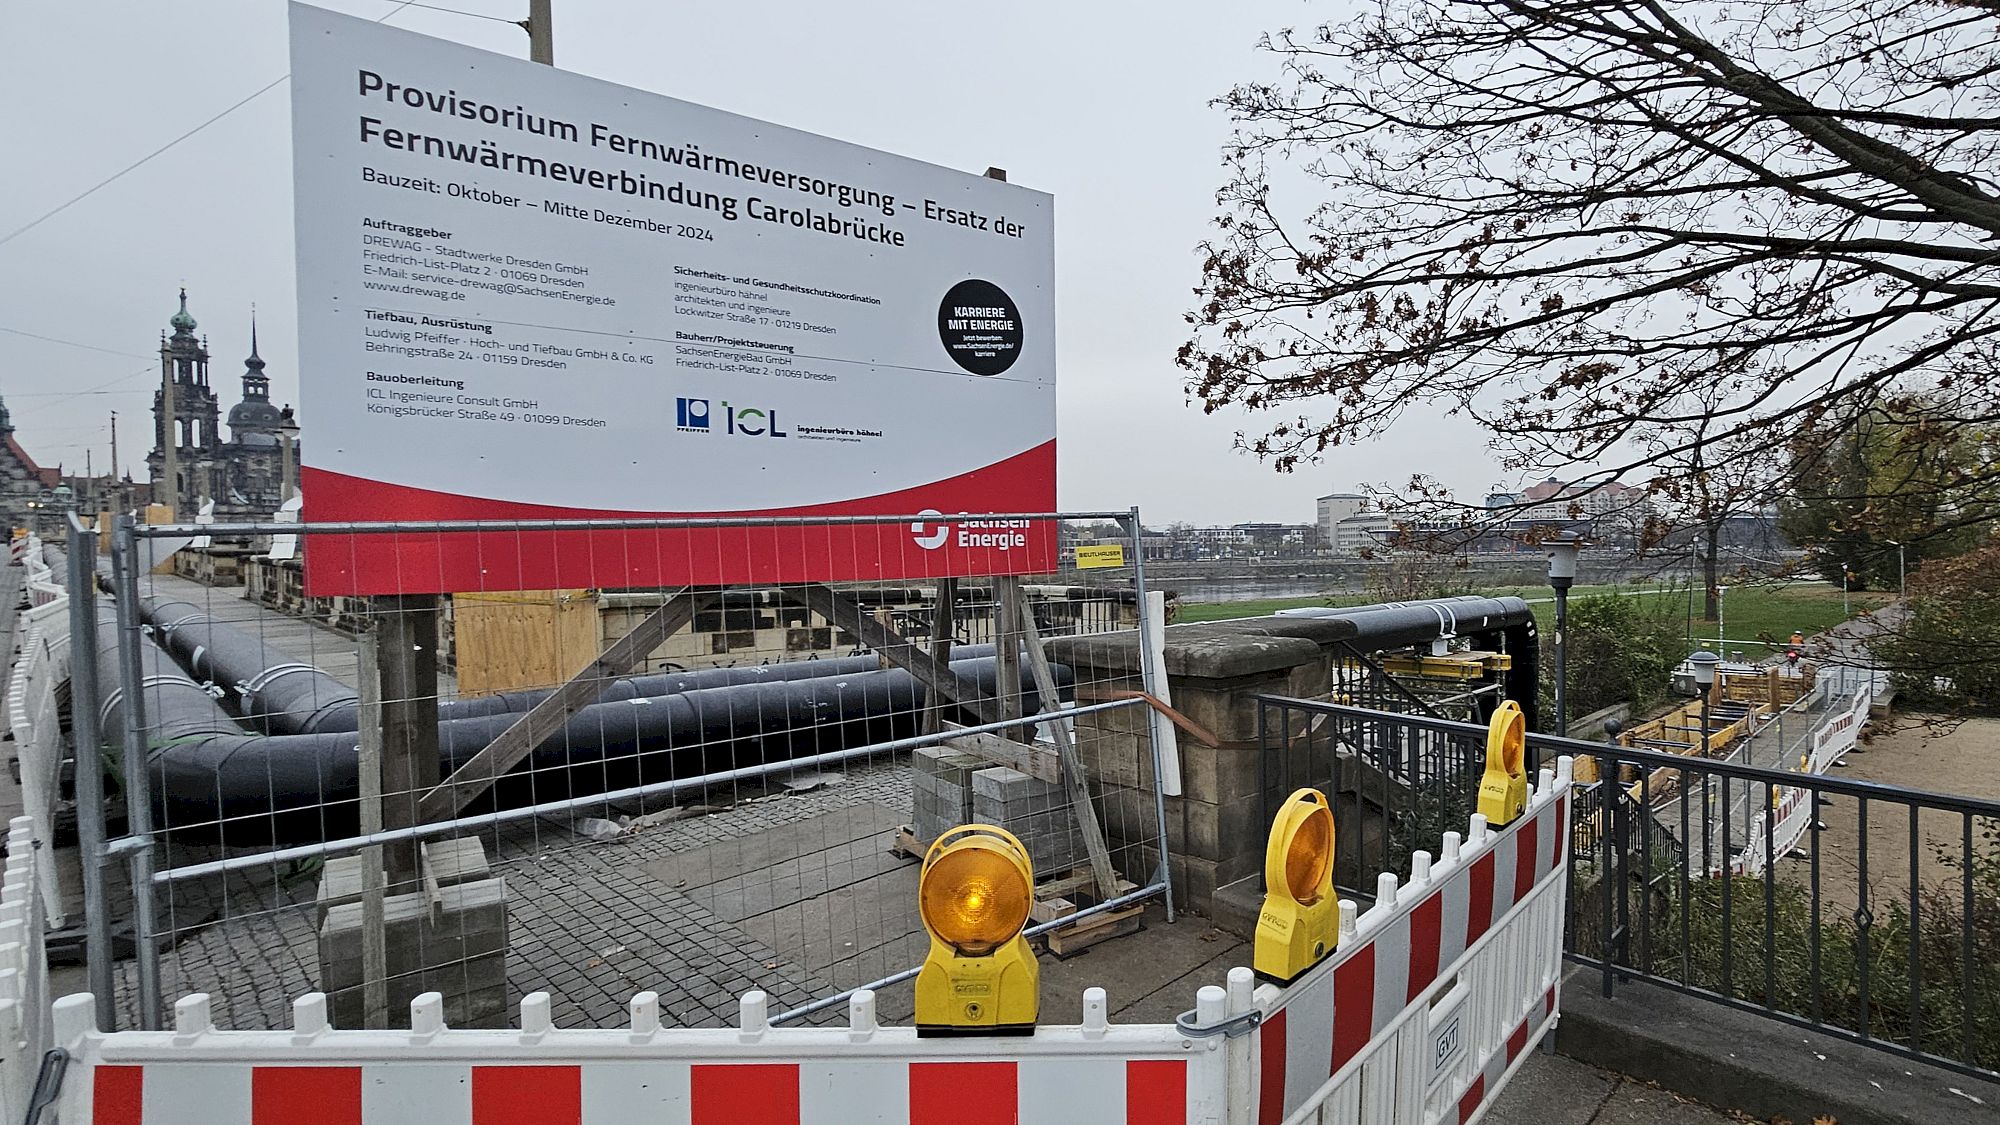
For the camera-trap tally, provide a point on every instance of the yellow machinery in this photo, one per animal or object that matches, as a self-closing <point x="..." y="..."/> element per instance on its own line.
<point x="1503" y="791"/>
<point x="1300" y="922"/>
<point x="973" y="895"/>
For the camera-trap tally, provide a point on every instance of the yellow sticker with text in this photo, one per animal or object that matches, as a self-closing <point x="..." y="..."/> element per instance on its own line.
<point x="1104" y="554"/>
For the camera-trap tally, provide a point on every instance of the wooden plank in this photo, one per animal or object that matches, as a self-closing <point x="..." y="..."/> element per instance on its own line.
<point x="374" y="939"/>
<point x="1073" y="779"/>
<point x="846" y="612"/>
<point x="1034" y="761"/>
<point x="944" y="624"/>
<point x="1007" y="607"/>
<point x="406" y="629"/>
<point x="547" y="717"/>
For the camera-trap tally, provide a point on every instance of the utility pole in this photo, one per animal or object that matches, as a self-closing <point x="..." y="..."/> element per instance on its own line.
<point x="541" y="33"/>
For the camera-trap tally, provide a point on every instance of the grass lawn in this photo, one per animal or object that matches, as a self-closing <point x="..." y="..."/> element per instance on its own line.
<point x="1750" y="612"/>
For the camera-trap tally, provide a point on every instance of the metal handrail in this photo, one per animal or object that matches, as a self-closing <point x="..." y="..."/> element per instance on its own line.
<point x="1873" y="790"/>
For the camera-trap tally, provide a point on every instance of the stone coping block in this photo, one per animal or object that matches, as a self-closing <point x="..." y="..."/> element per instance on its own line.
<point x="1209" y="650"/>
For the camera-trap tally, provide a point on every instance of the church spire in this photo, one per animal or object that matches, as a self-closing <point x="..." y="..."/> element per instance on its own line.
<point x="256" y="385"/>
<point x="182" y="321"/>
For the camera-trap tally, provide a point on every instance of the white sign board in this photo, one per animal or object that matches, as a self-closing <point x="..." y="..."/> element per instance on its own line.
<point x="528" y="293"/>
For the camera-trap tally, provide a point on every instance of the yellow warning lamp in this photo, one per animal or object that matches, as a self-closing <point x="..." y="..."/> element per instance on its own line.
<point x="973" y="895"/>
<point x="1503" y="791"/>
<point x="1300" y="921"/>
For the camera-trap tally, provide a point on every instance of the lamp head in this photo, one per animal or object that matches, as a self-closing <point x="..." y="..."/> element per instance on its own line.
<point x="1704" y="664"/>
<point x="1562" y="560"/>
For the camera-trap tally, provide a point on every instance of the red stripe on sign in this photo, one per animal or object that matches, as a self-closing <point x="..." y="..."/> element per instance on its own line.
<point x="1549" y="1003"/>
<point x="1479" y="912"/>
<point x="1156" y="1092"/>
<point x="1353" y="1005"/>
<point x="1271" y="1078"/>
<point x="1426" y="938"/>
<point x="983" y="1093"/>
<point x="1526" y="859"/>
<point x="1517" y="1041"/>
<point x="750" y="1094"/>
<point x="116" y="1093"/>
<point x="305" y="1095"/>
<point x="527" y="1095"/>
<point x="1469" y="1104"/>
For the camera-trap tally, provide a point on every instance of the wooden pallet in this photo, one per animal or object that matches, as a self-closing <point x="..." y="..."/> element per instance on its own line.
<point x="1065" y="895"/>
<point x="904" y="843"/>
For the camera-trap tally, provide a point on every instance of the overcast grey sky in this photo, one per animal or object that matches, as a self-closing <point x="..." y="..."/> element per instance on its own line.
<point x="1103" y="104"/>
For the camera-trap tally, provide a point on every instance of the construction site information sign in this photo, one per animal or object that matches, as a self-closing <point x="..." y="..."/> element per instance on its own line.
<point x="529" y="294"/>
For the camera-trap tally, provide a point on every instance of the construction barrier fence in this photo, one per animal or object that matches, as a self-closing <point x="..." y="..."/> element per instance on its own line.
<point x="1428" y="1004"/>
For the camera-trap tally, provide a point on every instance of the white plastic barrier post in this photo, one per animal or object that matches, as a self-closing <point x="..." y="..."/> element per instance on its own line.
<point x="35" y="720"/>
<point x="24" y="982"/>
<point x="1428" y="1006"/>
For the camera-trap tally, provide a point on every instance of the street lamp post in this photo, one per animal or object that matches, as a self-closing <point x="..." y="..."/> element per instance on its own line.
<point x="1902" y="568"/>
<point x="1562" y="575"/>
<point x="1846" y="611"/>
<point x="1704" y="663"/>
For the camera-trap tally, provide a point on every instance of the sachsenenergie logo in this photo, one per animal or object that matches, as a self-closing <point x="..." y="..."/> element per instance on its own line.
<point x="930" y="537"/>
<point x="933" y="532"/>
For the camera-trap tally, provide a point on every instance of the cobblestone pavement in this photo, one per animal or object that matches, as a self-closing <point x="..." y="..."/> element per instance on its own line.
<point x="586" y="922"/>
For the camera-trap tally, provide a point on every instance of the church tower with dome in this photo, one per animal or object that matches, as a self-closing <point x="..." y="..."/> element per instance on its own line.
<point x="246" y="476"/>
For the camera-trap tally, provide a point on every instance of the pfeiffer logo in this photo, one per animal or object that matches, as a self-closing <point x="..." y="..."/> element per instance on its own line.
<point x="933" y="532"/>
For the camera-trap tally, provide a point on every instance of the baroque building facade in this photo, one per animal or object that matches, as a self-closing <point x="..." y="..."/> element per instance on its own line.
<point x="248" y="476"/>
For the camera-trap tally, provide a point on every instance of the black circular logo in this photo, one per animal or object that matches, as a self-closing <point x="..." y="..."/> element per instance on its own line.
<point x="980" y="327"/>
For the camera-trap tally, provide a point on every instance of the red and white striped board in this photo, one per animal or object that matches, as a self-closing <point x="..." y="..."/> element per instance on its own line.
<point x="752" y="1075"/>
<point x="1488" y="916"/>
<point x="827" y="1090"/>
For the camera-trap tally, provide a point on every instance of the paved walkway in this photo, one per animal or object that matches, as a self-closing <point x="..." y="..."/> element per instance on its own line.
<point x="1553" y="1090"/>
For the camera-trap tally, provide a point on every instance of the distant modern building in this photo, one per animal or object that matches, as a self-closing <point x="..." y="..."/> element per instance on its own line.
<point x="1337" y="506"/>
<point x="22" y="482"/>
<point x="246" y="476"/>
<point x="1605" y="511"/>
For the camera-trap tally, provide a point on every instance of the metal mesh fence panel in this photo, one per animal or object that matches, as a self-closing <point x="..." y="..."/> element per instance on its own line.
<point x="695" y="789"/>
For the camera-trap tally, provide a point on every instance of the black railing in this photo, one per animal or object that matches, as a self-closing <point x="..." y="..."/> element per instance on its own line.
<point x="1879" y="921"/>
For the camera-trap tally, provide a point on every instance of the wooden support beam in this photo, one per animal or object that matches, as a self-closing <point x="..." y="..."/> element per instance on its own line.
<point x="406" y="633"/>
<point x="1073" y="779"/>
<point x="547" y="717"/>
<point x="944" y="626"/>
<point x="1007" y="609"/>
<point x="845" y="611"/>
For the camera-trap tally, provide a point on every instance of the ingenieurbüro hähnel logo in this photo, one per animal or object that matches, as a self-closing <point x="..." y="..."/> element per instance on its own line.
<point x="934" y="531"/>
<point x="694" y="416"/>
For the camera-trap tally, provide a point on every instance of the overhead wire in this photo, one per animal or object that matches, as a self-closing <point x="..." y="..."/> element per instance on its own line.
<point x="232" y="108"/>
<point x="68" y="343"/>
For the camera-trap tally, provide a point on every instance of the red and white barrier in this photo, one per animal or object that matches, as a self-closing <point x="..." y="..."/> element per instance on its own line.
<point x="1432" y="1000"/>
<point x="753" y="1075"/>
<point x="1436" y="992"/>
<point x="1793" y="813"/>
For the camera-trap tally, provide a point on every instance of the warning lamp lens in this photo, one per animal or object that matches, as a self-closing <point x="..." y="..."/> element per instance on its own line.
<point x="1307" y="857"/>
<point x="975" y="899"/>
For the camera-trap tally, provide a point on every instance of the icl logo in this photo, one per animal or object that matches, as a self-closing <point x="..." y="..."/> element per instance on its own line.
<point x="692" y="415"/>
